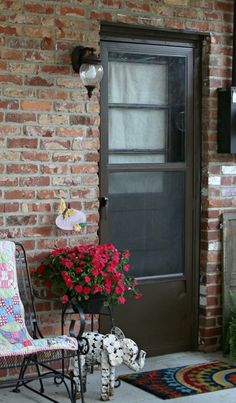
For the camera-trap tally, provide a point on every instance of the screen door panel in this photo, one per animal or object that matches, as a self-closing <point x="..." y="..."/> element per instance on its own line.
<point x="146" y="212"/>
<point x="144" y="205"/>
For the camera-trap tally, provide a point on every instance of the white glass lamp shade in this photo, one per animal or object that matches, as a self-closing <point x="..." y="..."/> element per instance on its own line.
<point x="91" y="74"/>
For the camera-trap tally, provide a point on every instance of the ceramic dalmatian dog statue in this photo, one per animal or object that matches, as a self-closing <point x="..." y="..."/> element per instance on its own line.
<point x="109" y="351"/>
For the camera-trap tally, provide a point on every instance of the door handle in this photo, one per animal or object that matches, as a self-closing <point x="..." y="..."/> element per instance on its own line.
<point x="104" y="201"/>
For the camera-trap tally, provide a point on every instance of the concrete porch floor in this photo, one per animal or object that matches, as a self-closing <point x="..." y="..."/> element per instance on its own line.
<point x="127" y="393"/>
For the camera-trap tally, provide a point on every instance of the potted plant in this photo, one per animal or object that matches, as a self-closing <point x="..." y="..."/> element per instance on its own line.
<point x="80" y="273"/>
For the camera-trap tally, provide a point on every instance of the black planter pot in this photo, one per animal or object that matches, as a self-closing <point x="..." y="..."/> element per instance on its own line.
<point x="92" y="305"/>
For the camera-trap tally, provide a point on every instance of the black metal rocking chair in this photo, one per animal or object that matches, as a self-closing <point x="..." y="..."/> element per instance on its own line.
<point x="21" y="342"/>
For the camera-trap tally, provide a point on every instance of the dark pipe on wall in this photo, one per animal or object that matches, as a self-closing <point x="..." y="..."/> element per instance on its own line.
<point x="227" y="106"/>
<point x="234" y="49"/>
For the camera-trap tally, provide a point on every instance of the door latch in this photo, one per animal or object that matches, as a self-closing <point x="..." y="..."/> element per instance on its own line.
<point x="104" y="206"/>
<point x="103" y="201"/>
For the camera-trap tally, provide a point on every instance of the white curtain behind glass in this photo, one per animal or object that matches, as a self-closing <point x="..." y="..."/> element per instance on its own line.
<point x="137" y="128"/>
<point x="137" y="83"/>
<point x="132" y="128"/>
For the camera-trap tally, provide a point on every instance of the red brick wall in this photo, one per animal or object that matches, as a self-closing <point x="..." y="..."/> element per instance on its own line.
<point x="49" y="130"/>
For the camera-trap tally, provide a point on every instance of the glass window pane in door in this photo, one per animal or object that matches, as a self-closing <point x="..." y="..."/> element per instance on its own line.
<point x="150" y="93"/>
<point x="138" y="82"/>
<point x="146" y="215"/>
<point x="137" y="129"/>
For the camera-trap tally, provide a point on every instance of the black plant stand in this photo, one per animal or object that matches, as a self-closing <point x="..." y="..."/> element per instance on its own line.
<point x="92" y="307"/>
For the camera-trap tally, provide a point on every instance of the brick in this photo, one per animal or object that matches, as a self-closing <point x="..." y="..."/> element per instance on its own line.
<point x="55" y="169"/>
<point x="69" y="83"/>
<point x="9" y="104"/>
<point x="93" y="132"/>
<point x="7" y="78"/>
<point x="35" y="181"/>
<point x="86" y="144"/>
<point x="22" y="168"/>
<point x="177" y="2"/>
<point x="38" y="81"/>
<point x="226" y="202"/>
<point x="84" y="120"/>
<point x="89" y="180"/>
<point x="213" y="301"/>
<point x="7" y="181"/>
<point x="37" y="231"/>
<point x="70" y="132"/>
<point x="55" y="144"/>
<point x="40" y="207"/>
<point x="36" y="105"/>
<point x="20" y="117"/>
<point x="41" y="131"/>
<point x="228" y="169"/>
<point x="19" y="194"/>
<point x="93" y="107"/>
<point x="88" y="168"/>
<point x="47" y="43"/>
<point x="23" y="43"/>
<point x="53" y="94"/>
<point x="210" y="332"/>
<point x="54" y="119"/>
<point x="52" y="69"/>
<point x="34" y="156"/>
<point x="85" y="193"/>
<point x="21" y="220"/>
<point x="228" y="191"/>
<point x="3" y="65"/>
<point x="46" y="194"/>
<point x="11" y="233"/>
<point x="69" y="107"/>
<point x="22" y="68"/>
<point x="10" y="155"/>
<point x="101" y="16"/>
<point x="18" y="92"/>
<point x="11" y="207"/>
<point x="91" y="157"/>
<point x="111" y="3"/>
<point x="37" y="32"/>
<point x="66" y="181"/>
<point x="12" y="54"/>
<point x="39" y="8"/>
<point x="224" y="6"/>
<point x="8" y="30"/>
<point x="74" y="11"/>
<point x="66" y="157"/>
<point x="214" y="290"/>
<point x="22" y="143"/>
<point x="37" y="56"/>
<point x="46" y="220"/>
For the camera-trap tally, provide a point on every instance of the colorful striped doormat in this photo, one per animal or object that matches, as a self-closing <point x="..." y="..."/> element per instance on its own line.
<point x="170" y="383"/>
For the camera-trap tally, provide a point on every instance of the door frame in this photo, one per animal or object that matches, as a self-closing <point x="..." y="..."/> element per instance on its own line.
<point x="127" y="33"/>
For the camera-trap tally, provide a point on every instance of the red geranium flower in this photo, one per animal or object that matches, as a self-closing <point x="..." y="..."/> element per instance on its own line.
<point x="78" y="273"/>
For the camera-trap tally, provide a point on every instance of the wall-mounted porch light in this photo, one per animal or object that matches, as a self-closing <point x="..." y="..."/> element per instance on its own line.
<point x="86" y="63"/>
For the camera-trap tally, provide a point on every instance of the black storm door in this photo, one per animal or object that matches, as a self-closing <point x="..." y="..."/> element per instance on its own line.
<point x="147" y="186"/>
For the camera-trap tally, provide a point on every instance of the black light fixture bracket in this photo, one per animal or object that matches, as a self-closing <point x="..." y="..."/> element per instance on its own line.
<point x="82" y="55"/>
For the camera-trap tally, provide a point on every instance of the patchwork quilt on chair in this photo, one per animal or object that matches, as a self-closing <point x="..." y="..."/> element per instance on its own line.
<point x="14" y="336"/>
